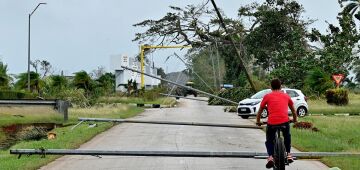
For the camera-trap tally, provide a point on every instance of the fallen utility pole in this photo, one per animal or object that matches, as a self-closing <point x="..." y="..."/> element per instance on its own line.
<point x="299" y="155"/>
<point x="190" y="88"/>
<point x="169" y="123"/>
<point x="170" y="95"/>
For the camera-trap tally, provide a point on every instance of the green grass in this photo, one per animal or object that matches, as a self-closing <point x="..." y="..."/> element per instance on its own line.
<point x="66" y="139"/>
<point x="321" y="107"/>
<point x="48" y="115"/>
<point x="119" y="111"/>
<point x="32" y="114"/>
<point x="137" y="100"/>
<point x="337" y="134"/>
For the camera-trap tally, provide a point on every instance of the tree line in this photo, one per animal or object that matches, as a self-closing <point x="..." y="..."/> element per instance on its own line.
<point x="81" y="89"/>
<point x="274" y="39"/>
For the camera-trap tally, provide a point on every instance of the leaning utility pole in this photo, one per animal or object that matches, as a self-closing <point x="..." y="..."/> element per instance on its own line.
<point x="248" y="76"/>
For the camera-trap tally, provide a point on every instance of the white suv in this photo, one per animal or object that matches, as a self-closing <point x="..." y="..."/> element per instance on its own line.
<point x="250" y="106"/>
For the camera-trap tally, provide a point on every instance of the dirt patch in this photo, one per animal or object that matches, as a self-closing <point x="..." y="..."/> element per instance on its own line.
<point x="20" y="132"/>
<point x="305" y="125"/>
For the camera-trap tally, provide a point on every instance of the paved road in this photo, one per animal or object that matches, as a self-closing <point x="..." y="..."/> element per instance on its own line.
<point x="178" y="138"/>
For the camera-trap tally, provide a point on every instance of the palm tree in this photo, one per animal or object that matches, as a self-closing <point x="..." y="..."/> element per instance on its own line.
<point x="35" y="81"/>
<point x="351" y="7"/>
<point x="4" y="77"/>
<point x="82" y="80"/>
<point x="58" y="82"/>
<point x="107" y="82"/>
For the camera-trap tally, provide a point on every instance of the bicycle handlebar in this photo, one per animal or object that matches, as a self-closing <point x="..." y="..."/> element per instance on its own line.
<point x="265" y="123"/>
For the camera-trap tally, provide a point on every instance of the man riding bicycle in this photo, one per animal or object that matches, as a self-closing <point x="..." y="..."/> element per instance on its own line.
<point x="277" y="104"/>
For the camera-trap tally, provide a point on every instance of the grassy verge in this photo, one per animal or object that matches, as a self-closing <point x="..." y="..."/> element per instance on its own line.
<point x="118" y="111"/>
<point x="321" y="107"/>
<point x="24" y="115"/>
<point x="337" y="134"/>
<point x="66" y="139"/>
<point x="137" y="100"/>
<point x="32" y="114"/>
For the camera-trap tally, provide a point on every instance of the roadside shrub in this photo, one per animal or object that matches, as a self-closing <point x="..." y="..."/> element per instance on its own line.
<point x="337" y="96"/>
<point x="234" y="94"/>
<point x="152" y="94"/>
<point x="317" y="82"/>
<point x="74" y="96"/>
<point x="8" y="94"/>
<point x="355" y="90"/>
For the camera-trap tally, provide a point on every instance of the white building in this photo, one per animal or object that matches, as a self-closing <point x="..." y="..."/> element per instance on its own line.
<point x="122" y="76"/>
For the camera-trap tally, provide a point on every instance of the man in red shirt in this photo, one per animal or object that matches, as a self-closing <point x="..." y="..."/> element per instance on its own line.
<point x="277" y="104"/>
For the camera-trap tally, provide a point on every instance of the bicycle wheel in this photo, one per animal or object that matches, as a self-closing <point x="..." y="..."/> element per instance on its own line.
<point x="279" y="154"/>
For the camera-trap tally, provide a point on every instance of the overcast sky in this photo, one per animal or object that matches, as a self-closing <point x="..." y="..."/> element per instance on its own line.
<point x="76" y="35"/>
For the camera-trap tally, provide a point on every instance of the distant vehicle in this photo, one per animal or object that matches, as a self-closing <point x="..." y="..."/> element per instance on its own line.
<point x="227" y="86"/>
<point x="249" y="107"/>
<point x="184" y="92"/>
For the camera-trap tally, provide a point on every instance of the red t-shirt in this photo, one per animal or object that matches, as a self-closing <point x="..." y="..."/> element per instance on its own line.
<point x="277" y="104"/>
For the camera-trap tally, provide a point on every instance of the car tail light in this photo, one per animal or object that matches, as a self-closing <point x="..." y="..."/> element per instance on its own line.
<point x="305" y="98"/>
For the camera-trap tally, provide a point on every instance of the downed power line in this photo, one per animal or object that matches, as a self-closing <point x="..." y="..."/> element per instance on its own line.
<point x="190" y="88"/>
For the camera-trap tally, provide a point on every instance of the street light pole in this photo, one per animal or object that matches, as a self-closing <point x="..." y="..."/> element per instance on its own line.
<point x="28" y="71"/>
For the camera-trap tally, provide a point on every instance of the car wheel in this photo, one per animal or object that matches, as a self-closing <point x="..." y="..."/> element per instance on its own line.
<point x="264" y="114"/>
<point x="244" y="117"/>
<point x="301" y="111"/>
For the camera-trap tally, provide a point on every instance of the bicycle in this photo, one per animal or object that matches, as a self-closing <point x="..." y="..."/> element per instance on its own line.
<point x="280" y="155"/>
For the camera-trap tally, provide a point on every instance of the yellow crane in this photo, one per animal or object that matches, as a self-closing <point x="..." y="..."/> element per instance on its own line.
<point x="142" y="49"/>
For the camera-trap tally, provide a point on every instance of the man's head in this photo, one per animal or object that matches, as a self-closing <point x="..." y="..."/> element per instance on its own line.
<point x="275" y="84"/>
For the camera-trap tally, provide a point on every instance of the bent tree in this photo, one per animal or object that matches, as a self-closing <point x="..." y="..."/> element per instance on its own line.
<point x="274" y="37"/>
<point x="194" y="25"/>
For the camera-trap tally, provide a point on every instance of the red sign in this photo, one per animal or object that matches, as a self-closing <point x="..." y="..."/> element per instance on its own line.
<point x="338" y="78"/>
